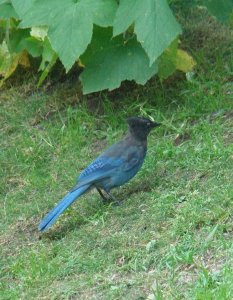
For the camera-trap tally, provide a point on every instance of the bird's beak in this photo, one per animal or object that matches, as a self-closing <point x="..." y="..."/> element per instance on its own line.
<point x="155" y="124"/>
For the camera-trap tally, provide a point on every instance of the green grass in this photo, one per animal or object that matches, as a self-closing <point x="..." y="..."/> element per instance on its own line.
<point x="172" y="237"/>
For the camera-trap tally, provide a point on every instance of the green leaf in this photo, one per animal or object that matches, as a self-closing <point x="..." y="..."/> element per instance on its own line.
<point x="33" y="46"/>
<point x="153" y="21"/>
<point x="7" y="11"/>
<point x="167" y="61"/>
<point x="47" y="54"/>
<point x="221" y="9"/>
<point x="20" y="40"/>
<point x="174" y="59"/>
<point x="22" y="6"/>
<point x="49" y="58"/>
<point x="16" y="38"/>
<point x="47" y="69"/>
<point x="110" y="61"/>
<point x="70" y="23"/>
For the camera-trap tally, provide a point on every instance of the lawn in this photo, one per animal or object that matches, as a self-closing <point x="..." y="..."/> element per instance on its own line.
<point x="172" y="237"/>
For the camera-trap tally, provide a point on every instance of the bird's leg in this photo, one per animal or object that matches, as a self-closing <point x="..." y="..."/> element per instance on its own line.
<point x="105" y="199"/>
<point x="113" y="198"/>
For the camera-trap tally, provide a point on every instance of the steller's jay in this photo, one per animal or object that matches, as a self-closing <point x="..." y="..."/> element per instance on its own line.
<point x="116" y="166"/>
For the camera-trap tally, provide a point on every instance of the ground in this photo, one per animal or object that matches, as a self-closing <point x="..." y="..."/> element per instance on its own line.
<point x="172" y="237"/>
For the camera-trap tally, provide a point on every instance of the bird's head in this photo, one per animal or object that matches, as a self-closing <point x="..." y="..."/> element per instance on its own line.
<point x="141" y="127"/>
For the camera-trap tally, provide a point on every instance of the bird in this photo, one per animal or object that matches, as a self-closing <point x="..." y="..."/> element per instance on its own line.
<point x="113" y="168"/>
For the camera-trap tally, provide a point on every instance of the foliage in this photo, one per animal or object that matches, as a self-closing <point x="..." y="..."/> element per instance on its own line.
<point x="111" y="40"/>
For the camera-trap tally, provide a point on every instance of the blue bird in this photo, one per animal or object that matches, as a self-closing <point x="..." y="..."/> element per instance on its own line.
<point x="116" y="166"/>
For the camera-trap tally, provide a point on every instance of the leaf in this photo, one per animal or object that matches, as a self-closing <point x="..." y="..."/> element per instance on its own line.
<point x="167" y="61"/>
<point x="154" y="24"/>
<point x="22" y="6"/>
<point x="110" y="61"/>
<point x="39" y="32"/>
<point x="16" y="37"/>
<point x="8" y="62"/>
<point x="49" y="58"/>
<point x="222" y="10"/>
<point x="7" y="11"/>
<point x="47" y="54"/>
<point x="70" y="23"/>
<point x="174" y="59"/>
<point x="47" y="69"/>
<point x="24" y="60"/>
<point x="20" y="40"/>
<point x="184" y="62"/>
<point x="33" y="46"/>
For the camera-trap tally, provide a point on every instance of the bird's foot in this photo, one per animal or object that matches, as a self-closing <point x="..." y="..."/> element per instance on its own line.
<point x="114" y="199"/>
<point x="109" y="198"/>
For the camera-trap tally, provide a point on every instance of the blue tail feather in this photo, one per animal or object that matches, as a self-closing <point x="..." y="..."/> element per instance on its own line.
<point x="52" y="216"/>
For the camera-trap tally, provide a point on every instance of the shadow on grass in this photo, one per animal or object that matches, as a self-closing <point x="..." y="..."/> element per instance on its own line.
<point x="93" y="211"/>
<point x="71" y="221"/>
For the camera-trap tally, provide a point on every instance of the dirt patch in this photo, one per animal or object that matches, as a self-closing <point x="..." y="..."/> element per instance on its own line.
<point x="228" y="138"/>
<point x="181" y="138"/>
<point x="212" y="262"/>
<point x="98" y="145"/>
<point x="19" y="234"/>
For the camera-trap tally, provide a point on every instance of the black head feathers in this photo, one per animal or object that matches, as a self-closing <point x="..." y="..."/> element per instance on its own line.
<point x="140" y="127"/>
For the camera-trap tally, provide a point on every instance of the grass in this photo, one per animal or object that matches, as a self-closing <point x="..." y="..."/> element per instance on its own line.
<point x="172" y="237"/>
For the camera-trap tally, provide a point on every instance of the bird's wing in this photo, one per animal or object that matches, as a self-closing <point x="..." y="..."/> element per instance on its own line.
<point x="132" y="159"/>
<point x="102" y="167"/>
<point x="120" y="157"/>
